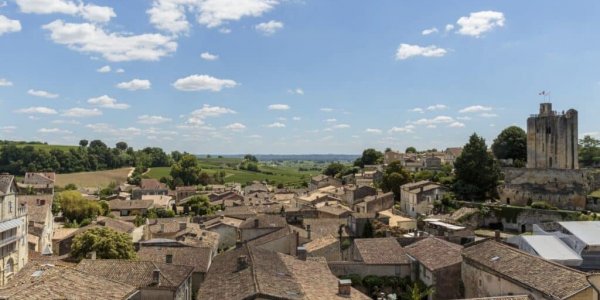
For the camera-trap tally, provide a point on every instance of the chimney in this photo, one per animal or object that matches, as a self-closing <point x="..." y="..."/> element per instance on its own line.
<point x="169" y="258"/>
<point x="497" y="235"/>
<point x="256" y="223"/>
<point x="344" y="287"/>
<point x="156" y="277"/>
<point x="242" y="262"/>
<point x="301" y="253"/>
<point x="182" y="225"/>
<point x="308" y="231"/>
<point x="222" y="217"/>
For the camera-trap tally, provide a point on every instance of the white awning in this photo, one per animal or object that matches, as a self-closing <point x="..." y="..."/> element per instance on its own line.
<point x="14" y="223"/>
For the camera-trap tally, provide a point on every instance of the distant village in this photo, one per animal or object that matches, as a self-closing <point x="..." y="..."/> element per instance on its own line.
<point x="462" y="223"/>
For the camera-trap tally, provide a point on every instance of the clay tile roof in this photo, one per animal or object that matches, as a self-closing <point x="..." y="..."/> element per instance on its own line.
<point x="551" y="279"/>
<point x="325" y="227"/>
<point x="117" y="225"/>
<point x="129" y="204"/>
<point x="510" y="297"/>
<point x="264" y="221"/>
<point x="435" y="253"/>
<point x="35" y="210"/>
<point x="381" y="251"/>
<point x="269" y="275"/>
<point x="152" y="184"/>
<point x="136" y="273"/>
<point x="320" y="243"/>
<point x="39" y="178"/>
<point x="48" y="281"/>
<point x="198" y="258"/>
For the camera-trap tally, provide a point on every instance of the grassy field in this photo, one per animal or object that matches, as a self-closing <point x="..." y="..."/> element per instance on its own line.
<point x="288" y="174"/>
<point x="93" y="179"/>
<point x="47" y="147"/>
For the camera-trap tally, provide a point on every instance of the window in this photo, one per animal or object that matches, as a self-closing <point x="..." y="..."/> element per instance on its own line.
<point x="9" y="266"/>
<point x="9" y="207"/>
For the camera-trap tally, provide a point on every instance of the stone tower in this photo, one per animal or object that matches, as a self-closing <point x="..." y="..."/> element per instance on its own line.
<point x="552" y="139"/>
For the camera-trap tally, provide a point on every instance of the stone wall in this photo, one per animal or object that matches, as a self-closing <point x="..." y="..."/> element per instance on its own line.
<point x="563" y="188"/>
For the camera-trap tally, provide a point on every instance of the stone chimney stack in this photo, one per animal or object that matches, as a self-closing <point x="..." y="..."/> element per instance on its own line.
<point x="344" y="287"/>
<point x="156" y="277"/>
<point x="242" y="262"/>
<point x="301" y="252"/>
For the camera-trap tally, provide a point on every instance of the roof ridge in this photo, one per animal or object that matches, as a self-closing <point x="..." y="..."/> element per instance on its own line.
<point x="252" y="272"/>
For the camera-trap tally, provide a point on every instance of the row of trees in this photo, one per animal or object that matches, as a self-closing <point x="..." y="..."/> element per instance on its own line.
<point x="89" y="156"/>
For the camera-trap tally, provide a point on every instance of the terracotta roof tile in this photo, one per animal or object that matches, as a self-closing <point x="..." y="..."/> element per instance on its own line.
<point x="435" y="253"/>
<point x="199" y="258"/>
<point x="381" y="251"/>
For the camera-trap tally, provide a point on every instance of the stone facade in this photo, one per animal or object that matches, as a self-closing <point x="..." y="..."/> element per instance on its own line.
<point x="552" y="139"/>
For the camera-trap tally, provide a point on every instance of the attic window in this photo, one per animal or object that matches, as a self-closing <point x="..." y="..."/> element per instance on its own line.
<point x="495" y="258"/>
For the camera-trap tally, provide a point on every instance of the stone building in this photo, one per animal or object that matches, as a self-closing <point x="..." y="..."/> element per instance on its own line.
<point x="13" y="228"/>
<point x="552" y="139"/>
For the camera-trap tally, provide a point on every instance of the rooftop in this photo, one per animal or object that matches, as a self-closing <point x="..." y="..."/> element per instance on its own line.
<point x="381" y="251"/>
<point x="586" y="231"/>
<point x="435" y="253"/>
<point x="549" y="278"/>
<point x="199" y="258"/>
<point x="264" y="221"/>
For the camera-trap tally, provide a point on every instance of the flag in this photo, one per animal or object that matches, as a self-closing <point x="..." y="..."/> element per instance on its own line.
<point x="542" y="93"/>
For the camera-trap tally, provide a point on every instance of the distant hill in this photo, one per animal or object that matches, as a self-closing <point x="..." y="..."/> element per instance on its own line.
<point x="297" y="157"/>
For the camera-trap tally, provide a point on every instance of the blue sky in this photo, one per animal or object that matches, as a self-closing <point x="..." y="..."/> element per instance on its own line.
<point x="277" y="76"/>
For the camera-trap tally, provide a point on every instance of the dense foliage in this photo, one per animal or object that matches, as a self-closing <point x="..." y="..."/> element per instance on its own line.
<point x="511" y="143"/>
<point x="186" y="171"/>
<point x="18" y="158"/>
<point x="393" y="177"/>
<point x="589" y="151"/>
<point x="200" y="206"/>
<point x="369" y="157"/>
<point x="75" y="208"/>
<point x="107" y="243"/>
<point x="411" y="150"/>
<point x="477" y="172"/>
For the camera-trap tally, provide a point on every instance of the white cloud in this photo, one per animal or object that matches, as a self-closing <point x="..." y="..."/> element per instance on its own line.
<point x="475" y="109"/>
<point x="8" y="25"/>
<point x="326" y="109"/>
<point x="225" y="30"/>
<point x="72" y="122"/>
<point x="456" y="125"/>
<point x="90" y="12"/>
<point x="118" y="132"/>
<point x="107" y="102"/>
<point x="8" y="129"/>
<point x="37" y="110"/>
<point x="478" y="23"/>
<point x="78" y="112"/>
<point x="463" y="118"/>
<point x="54" y="130"/>
<point x="449" y="27"/>
<point x="5" y="82"/>
<point x="299" y="91"/>
<point x="437" y="107"/>
<point x="331" y="120"/>
<point x="209" y="56"/>
<point x="120" y="71"/>
<point x="429" y="31"/>
<point x="296" y="118"/>
<point x="90" y="38"/>
<point x="170" y="15"/>
<point x="373" y="130"/>
<point x="417" y="110"/>
<point x="406" y="51"/>
<point x="269" y="28"/>
<point x="135" y="84"/>
<point x="341" y="126"/>
<point x="104" y="69"/>
<point x="403" y="129"/>
<point x="436" y="120"/>
<point x="203" y="82"/>
<point x="152" y="120"/>
<point x="236" y="127"/>
<point x="488" y="115"/>
<point x="43" y="94"/>
<point x="278" y="107"/>
<point x="197" y="116"/>
<point x="276" y="125"/>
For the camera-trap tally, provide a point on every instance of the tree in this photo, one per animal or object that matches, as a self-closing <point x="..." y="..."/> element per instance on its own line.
<point x="76" y="208"/>
<point x="511" y="143"/>
<point x="107" y="243"/>
<point x="334" y="169"/>
<point x="589" y="151"/>
<point x="200" y="205"/>
<point x="250" y="157"/>
<point x="393" y="177"/>
<point x="83" y="143"/>
<point x="186" y="170"/>
<point x="417" y="291"/>
<point x="121" y="146"/>
<point x="410" y="150"/>
<point x="477" y="172"/>
<point x="369" y="157"/>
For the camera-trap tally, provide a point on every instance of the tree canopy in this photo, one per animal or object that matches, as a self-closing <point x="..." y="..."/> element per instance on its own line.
<point x="333" y="169"/>
<point x="589" y="151"/>
<point x="200" y="206"/>
<point x="369" y="157"/>
<point x="75" y="208"/>
<point x="186" y="171"/>
<point x="393" y="177"/>
<point x="107" y="243"/>
<point x="477" y="172"/>
<point x="511" y="143"/>
<point x="410" y="150"/>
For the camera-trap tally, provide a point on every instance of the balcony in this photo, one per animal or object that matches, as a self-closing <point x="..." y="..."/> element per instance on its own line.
<point x="9" y="240"/>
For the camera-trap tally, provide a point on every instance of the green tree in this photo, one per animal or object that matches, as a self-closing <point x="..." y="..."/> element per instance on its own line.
<point x="121" y="146"/>
<point x="477" y="172"/>
<point x="83" y="143"/>
<point x="369" y="157"/>
<point x="107" y="243"/>
<point x="200" y="205"/>
<point x="589" y="151"/>
<point x="417" y="291"/>
<point x="511" y="143"/>
<point x="334" y="169"/>
<point x="76" y="208"/>
<point x="410" y="150"/>
<point x="250" y="157"/>
<point x="393" y="177"/>
<point x="186" y="170"/>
